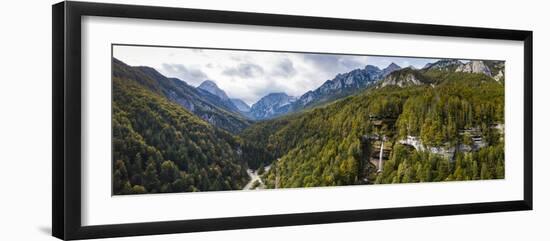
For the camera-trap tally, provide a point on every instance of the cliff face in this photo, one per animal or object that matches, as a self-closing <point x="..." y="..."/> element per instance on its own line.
<point x="474" y="66"/>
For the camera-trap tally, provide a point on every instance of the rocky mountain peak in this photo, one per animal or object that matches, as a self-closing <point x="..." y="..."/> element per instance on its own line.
<point x="212" y="88"/>
<point x="341" y="84"/>
<point x="372" y="68"/>
<point x="391" y="68"/>
<point x="272" y="105"/>
<point x="474" y="66"/>
<point x="444" y="65"/>
<point x="277" y="98"/>
<point x="404" y="77"/>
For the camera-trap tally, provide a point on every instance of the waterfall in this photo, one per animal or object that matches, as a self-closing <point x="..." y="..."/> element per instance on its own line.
<point x="381" y="154"/>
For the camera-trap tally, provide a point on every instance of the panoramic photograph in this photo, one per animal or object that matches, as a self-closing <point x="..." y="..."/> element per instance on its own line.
<point x="187" y="119"/>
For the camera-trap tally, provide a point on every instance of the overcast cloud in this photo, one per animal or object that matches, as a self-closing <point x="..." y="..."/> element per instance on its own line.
<point x="250" y="75"/>
<point x="179" y="71"/>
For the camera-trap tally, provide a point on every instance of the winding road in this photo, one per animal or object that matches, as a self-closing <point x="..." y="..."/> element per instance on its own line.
<point x="253" y="174"/>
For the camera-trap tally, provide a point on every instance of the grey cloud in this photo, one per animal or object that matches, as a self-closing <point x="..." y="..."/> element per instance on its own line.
<point x="333" y="63"/>
<point x="285" y="68"/>
<point x="189" y="75"/>
<point x="247" y="70"/>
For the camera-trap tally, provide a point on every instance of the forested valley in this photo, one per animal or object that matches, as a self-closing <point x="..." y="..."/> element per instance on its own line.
<point x="424" y="125"/>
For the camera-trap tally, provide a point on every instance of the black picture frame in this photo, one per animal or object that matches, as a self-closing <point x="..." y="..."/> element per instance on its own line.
<point x="66" y="128"/>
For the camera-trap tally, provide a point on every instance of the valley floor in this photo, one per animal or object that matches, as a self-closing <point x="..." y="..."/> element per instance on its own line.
<point x="256" y="181"/>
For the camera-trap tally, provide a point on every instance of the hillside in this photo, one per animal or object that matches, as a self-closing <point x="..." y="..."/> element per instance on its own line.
<point x="158" y="146"/>
<point x="337" y="144"/>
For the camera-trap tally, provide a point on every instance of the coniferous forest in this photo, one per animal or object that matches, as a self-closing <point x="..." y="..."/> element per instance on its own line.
<point x="442" y="122"/>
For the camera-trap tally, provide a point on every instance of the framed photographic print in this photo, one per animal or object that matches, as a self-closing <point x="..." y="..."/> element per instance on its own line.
<point x="170" y="120"/>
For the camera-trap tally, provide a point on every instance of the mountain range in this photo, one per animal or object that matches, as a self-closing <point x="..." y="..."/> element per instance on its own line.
<point x="214" y="105"/>
<point x="494" y="69"/>
<point x="343" y="85"/>
<point x="210" y="107"/>
<point x="430" y="74"/>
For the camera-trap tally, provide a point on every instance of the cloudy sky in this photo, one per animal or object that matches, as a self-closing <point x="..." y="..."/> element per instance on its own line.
<point x="250" y="75"/>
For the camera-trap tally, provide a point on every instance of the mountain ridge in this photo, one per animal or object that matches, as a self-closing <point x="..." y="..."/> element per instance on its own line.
<point x="271" y="105"/>
<point x="203" y="104"/>
<point x="344" y="84"/>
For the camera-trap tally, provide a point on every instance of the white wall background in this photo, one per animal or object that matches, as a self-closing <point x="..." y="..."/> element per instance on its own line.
<point x="25" y="119"/>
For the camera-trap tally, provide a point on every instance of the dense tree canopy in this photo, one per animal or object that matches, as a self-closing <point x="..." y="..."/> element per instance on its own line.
<point x="160" y="147"/>
<point x="323" y="147"/>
